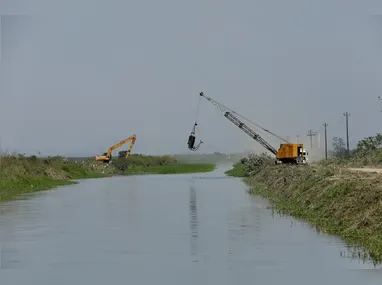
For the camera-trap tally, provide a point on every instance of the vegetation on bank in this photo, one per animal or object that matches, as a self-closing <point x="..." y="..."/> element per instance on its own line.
<point x="367" y="153"/>
<point x="215" y="157"/>
<point x="326" y="194"/>
<point x="20" y="174"/>
<point x="238" y="170"/>
<point x="166" y="164"/>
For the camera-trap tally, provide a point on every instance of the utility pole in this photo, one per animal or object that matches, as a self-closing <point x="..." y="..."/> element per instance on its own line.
<point x="347" y="132"/>
<point x="311" y="134"/>
<point x="297" y="137"/>
<point x="326" y="142"/>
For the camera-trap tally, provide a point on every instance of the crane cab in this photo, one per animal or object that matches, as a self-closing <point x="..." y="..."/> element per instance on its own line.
<point x="291" y="153"/>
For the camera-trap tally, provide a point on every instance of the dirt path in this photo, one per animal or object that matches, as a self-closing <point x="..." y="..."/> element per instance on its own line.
<point x="367" y="169"/>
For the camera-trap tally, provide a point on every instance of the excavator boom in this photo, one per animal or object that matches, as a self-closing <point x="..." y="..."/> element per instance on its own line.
<point x="107" y="156"/>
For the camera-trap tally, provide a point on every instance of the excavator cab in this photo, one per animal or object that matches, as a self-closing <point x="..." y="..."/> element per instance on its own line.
<point x="104" y="158"/>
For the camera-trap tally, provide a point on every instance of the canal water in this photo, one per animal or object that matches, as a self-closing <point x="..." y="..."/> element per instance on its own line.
<point x="170" y="229"/>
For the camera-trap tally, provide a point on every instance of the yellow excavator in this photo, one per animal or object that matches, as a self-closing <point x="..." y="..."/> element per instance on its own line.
<point x="106" y="157"/>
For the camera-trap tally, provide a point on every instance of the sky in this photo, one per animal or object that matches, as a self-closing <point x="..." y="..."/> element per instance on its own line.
<point x="77" y="76"/>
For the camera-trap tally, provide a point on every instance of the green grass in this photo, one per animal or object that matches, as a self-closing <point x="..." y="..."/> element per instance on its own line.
<point x="20" y="174"/>
<point x="13" y="188"/>
<point x="238" y="170"/>
<point x="75" y="171"/>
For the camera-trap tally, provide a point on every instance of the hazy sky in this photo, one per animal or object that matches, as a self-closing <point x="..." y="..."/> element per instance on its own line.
<point x="77" y="76"/>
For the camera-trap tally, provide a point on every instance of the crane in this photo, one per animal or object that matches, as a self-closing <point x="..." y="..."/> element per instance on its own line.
<point x="287" y="153"/>
<point x="106" y="157"/>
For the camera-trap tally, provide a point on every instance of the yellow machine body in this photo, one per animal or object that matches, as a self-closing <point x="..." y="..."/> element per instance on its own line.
<point x="290" y="152"/>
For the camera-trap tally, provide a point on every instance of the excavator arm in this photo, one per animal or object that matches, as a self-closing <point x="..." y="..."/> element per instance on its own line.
<point x="106" y="156"/>
<point x="131" y="146"/>
<point x="229" y="114"/>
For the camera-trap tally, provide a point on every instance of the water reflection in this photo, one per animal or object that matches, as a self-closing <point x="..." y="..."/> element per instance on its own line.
<point x="132" y="201"/>
<point x="1" y="257"/>
<point x="193" y="222"/>
<point x="139" y="229"/>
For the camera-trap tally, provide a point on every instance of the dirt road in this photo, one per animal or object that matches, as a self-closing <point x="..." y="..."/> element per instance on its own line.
<point x="367" y="169"/>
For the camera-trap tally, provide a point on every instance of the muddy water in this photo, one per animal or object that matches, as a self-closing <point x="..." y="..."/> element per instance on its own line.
<point x="175" y="229"/>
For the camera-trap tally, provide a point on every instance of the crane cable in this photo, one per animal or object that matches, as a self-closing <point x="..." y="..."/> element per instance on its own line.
<point x="222" y="107"/>
<point x="266" y="130"/>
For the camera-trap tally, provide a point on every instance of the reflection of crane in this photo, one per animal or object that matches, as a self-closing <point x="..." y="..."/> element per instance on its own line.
<point x="106" y="157"/>
<point x="288" y="152"/>
<point x="193" y="221"/>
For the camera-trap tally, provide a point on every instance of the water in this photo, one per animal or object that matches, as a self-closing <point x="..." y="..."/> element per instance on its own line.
<point x="173" y="229"/>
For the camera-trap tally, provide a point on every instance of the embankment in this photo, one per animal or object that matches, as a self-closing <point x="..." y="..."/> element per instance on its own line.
<point x="328" y="196"/>
<point x="20" y="174"/>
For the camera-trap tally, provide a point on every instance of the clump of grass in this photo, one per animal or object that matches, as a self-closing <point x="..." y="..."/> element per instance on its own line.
<point x="11" y="189"/>
<point x="238" y="170"/>
<point x="250" y="165"/>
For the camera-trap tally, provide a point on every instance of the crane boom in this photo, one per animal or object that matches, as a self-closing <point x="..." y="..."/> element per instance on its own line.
<point x="224" y="109"/>
<point x="249" y="132"/>
<point x="236" y="121"/>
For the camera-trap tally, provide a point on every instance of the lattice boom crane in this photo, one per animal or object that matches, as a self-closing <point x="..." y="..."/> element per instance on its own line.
<point x="288" y="152"/>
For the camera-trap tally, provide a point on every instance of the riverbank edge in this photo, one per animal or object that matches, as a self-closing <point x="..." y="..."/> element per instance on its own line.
<point x="331" y="199"/>
<point x="13" y="189"/>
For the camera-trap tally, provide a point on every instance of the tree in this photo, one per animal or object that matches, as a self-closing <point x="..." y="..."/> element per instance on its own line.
<point x="369" y="143"/>
<point x="122" y="153"/>
<point x="339" y="149"/>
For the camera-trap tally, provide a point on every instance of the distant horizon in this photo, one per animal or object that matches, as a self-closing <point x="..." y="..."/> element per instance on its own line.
<point x="132" y="153"/>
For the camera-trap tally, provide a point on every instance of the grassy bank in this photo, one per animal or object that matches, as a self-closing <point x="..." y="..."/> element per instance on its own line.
<point x="20" y="174"/>
<point x="238" y="170"/>
<point x="327" y="195"/>
<point x="138" y="163"/>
